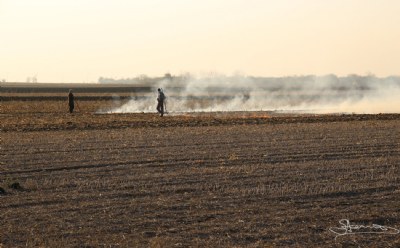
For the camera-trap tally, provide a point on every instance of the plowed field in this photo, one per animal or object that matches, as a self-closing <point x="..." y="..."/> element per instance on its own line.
<point x="207" y="179"/>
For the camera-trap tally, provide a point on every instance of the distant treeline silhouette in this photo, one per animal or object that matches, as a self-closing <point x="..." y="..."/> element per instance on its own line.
<point x="141" y="79"/>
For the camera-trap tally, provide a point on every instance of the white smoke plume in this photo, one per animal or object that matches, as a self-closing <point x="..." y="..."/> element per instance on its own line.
<point x="307" y="94"/>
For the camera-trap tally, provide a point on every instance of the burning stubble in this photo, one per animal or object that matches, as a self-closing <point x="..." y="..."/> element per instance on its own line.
<point x="307" y="94"/>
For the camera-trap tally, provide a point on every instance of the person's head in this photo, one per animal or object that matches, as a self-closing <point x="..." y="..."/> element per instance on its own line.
<point x="70" y="90"/>
<point x="159" y="89"/>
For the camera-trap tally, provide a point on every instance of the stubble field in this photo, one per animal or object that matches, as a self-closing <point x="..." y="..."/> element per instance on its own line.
<point x="237" y="179"/>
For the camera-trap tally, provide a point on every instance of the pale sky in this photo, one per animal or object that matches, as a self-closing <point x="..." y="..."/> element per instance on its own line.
<point x="81" y="40"/>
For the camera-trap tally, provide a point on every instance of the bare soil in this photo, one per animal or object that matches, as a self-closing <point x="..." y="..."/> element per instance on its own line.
<point x="258" y="179"/>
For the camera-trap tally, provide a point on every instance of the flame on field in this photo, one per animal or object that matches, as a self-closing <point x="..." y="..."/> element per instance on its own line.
<point x="262" y="116"/>
<point x="298" y="94"/>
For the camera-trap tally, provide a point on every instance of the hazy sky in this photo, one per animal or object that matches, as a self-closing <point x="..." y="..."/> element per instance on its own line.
<point x="81" y="40"/>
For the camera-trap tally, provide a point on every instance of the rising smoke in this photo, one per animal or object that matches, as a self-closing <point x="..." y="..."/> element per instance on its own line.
<point x="308" y="94"/>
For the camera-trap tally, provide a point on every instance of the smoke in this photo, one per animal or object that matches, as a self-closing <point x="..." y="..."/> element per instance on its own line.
<point x="307" y="94"/>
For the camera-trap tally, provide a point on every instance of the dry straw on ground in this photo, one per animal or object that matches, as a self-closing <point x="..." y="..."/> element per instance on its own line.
<point x="228" y="180"/>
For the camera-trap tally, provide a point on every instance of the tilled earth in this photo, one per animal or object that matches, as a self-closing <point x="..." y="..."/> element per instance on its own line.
<point x="207" y="179"/>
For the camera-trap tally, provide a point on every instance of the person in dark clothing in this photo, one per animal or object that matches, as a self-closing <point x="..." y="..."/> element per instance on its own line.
<point x="160" y="102"/>
<point x="71" y="101"/>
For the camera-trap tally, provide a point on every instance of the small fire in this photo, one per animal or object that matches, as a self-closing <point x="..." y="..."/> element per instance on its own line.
<point x="255" y="115"/>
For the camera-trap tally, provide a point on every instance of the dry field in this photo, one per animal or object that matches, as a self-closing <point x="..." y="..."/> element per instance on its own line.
<point x="201" y="180"/>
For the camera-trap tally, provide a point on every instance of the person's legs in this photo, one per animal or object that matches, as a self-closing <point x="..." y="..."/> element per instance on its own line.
<point x="162" y="109"/>
<point x="159" y="107"/>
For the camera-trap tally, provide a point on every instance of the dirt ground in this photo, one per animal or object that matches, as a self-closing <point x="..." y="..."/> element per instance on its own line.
<point x="257" y="179"/>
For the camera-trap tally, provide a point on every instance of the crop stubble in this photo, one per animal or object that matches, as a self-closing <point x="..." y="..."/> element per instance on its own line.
<point x="198" y="180"/>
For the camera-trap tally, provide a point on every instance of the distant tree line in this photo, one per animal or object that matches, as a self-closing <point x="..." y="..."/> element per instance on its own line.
<point x="141" y="79"/>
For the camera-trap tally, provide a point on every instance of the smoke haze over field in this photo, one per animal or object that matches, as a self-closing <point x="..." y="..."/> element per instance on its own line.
<point x="309" y="94"/>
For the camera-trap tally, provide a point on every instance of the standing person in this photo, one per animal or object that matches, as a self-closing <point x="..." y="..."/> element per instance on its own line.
<point x="71" y="101"/>
<point x="160" y="100"/>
